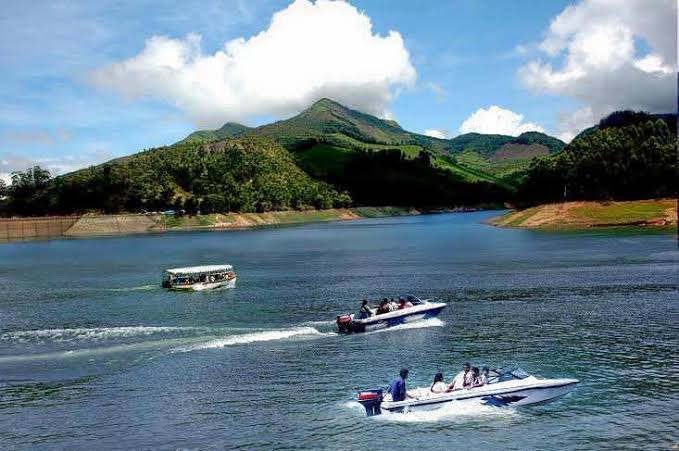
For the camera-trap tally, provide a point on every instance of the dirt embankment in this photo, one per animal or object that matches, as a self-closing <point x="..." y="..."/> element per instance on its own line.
<point x="110" y="225"/>
<point x="582" y="215"/>
<point x="17" y="229"/>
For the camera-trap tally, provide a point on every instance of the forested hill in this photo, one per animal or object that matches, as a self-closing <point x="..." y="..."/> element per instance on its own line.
<point x="336" y="131"/>
<point x="628" y="155"/>
<point x="241" y="174"/>
<point x="228" y="130"/>
<point x="488" y="145"/>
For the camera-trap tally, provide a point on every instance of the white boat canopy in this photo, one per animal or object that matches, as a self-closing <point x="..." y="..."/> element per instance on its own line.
<point x="208" y="269"/>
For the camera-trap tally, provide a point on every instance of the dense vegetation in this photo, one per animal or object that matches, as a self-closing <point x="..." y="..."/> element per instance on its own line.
<point x="228" y="130"/>
<point x="487" y="145"/>
<point x="629" y="155"/>
<point x="244" y="174"/>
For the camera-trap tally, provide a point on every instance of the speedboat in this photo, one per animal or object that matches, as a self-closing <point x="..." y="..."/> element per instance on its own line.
<point x="507" y="388"/>
<point x="421" y="309"/>
<point x="199" y="278"/>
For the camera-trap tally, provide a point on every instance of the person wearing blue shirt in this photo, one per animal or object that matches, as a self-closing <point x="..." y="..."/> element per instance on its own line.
<point x="398" y="387"/>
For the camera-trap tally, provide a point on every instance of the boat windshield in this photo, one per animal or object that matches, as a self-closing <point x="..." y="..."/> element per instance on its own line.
<point x="412" y="299"/>
<point x="503" y="375"/>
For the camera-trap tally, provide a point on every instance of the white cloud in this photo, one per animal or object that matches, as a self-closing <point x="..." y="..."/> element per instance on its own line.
<point x="604" y="66"/>
<point x="441" y="134"/>
<point x="496" y="120"/>
<point x="310" y="50"/>
<point x="572" y="123"/>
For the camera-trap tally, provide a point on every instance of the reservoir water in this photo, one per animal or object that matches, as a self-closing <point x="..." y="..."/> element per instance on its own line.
<point x="94" y="355"/>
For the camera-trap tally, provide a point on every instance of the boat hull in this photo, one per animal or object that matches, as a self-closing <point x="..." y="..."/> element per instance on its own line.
<point x="204" y="286"/>
<point x="390" y="320"/>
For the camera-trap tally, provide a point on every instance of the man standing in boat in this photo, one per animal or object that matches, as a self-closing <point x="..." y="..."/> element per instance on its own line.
<point x="397" y="389"/>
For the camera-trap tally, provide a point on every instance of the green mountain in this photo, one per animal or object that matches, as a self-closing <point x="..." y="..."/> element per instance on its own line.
<point x="228" y="130"/>
<point x="489" y="145"/>
<point x="503" y="156"/>
<point x="325" y="120"/>
<point x="326" y="135"/>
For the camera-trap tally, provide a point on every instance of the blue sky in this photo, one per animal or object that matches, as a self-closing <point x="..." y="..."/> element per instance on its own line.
<point x="75" y="90"/>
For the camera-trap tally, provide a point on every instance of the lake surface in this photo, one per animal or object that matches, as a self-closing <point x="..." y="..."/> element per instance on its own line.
<point x="94" y="355"/>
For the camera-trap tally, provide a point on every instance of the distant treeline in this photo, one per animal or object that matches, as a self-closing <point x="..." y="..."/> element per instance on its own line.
<point x="629" y="155"/>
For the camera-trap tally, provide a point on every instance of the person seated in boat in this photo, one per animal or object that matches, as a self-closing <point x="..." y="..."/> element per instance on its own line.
<point x="483" y="378"/>
<point x="397" y="388"/>
<point x="438" y="386"/>
<point x="393" y="306"/>
<point x="462" y="379"/>
<point x="476" y="378"/>
<point x="365" y="311"/>
<point x="383" y="308"/>
<point x="404" y="303"/>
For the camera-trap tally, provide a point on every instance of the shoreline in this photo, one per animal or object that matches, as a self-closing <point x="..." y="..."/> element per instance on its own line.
<point x="104" y="225"/>
<point x="647" y="214"/>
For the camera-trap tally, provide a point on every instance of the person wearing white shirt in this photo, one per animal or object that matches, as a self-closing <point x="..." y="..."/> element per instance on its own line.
<point x="462" y="379"/>
<point x="438" y="386"/>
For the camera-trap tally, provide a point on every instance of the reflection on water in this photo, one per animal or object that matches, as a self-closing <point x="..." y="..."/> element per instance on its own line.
<point x="92" y="350"/>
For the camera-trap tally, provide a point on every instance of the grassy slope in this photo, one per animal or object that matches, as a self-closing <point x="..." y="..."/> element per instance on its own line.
<point x="579" y="215"/>
<point x="245" y="220"/>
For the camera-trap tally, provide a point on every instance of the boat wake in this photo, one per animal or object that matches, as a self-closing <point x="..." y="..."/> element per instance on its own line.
<point x="256" y="337"/>
<point x="328" y="322"/>
<point x="431" y="322"/>
<point x="92" y="353"/>
<point x="451" y="412"/>
<point x="93" y="334"/>
<point x="94" y="342"/>
<point x="139" y="288"/>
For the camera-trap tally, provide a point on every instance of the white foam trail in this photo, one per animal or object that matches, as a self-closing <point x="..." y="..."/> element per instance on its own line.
<point x="255" y="337"/>
<point x="93" y="352"/>
<point x="140" y="288"/>
<point x="459" y="411"/>
<point x="431" y="322"/>
<point x="319" y="323"/>
<point x="90" y="334"/>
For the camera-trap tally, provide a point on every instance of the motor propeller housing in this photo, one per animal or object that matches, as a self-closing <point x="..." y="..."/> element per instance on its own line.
<point x="371" y="400"/>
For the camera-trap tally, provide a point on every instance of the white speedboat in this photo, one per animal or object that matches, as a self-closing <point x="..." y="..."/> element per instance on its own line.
<point x="199" y="278"/>
<point x="507" y="388"/>
<point x="418" y="310"/>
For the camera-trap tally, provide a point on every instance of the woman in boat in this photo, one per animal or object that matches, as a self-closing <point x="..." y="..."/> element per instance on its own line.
<point x="483" y="378"/>
<point x="438" y="386"/>
<point x="475" y="380"/>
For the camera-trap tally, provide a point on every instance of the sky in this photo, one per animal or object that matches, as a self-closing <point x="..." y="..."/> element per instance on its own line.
<point x="83" y="82"/>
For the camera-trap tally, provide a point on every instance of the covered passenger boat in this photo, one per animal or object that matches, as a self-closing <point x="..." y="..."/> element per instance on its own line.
<point x="199" y="278"/>
<point x="416" y="310"/>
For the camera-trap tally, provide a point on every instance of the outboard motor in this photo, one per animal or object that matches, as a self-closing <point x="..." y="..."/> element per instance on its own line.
<point x="371" y="400"/>
<point x="344" y="324"/>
